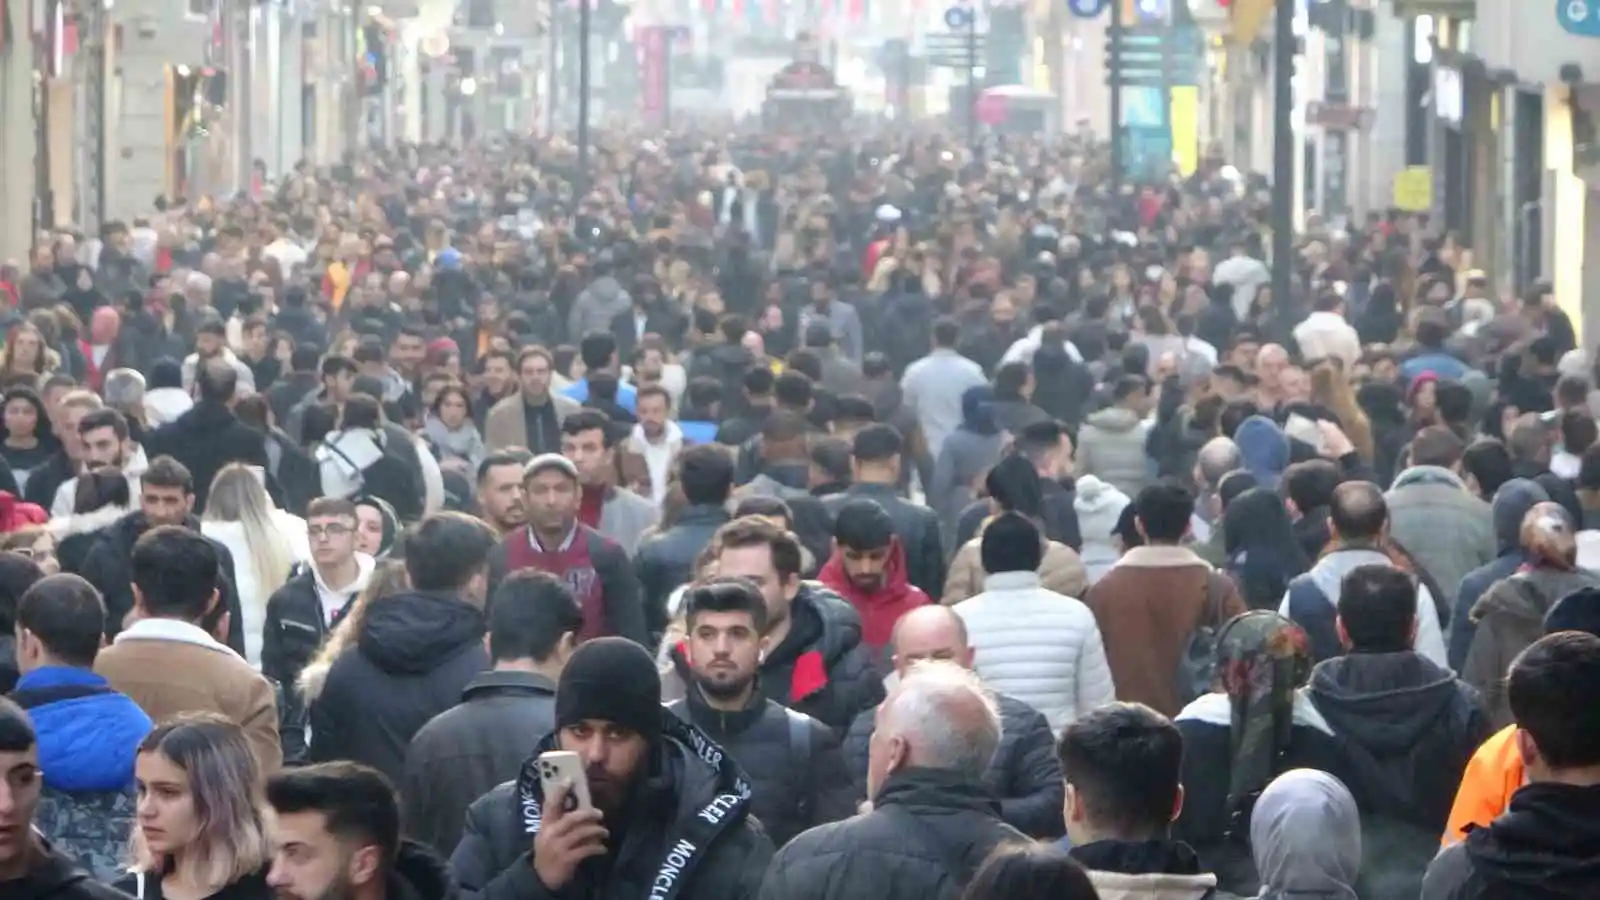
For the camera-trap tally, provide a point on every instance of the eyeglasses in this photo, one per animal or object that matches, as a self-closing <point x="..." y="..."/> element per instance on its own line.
<point x="318" y="532"/>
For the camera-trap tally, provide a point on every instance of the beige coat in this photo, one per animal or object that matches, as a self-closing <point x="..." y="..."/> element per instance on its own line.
<point x="1062" y="571"/>
<point x="506" y="425"/>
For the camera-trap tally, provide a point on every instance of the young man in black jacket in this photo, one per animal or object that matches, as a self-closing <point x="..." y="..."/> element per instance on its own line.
<point x="665" y="560"/>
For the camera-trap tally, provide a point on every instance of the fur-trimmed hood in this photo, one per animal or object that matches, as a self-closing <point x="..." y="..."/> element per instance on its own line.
<point x="64" y="527"/>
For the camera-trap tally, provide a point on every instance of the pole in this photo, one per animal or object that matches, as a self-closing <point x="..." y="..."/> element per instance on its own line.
<point x="1115" y="78"/>
<point x="1283" y="151"/>
<point x="552" y="90"/>
<point x="584" y="16"/>
<point x="972" y="77"/>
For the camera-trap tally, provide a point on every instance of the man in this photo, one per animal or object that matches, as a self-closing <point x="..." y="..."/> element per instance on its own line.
<point x="695" y="839"/>
<point x="406" y="354"/>
<point x="592" y="566"/>
<point x="840" y="374"/>
<point x="532" y="418"/>
<point x="88" y="733"/>
<point x="29" y="866"/>
<point x="1359" y="523"/>
<point x="1111" y="444"/>
<point x="747" y="417"/>
<point x="106" y="443"/>
<point x="338" y="377"/>
<point x="336" y="836"/>
<point x="932" y="386"/>
<point x="415" y="652"/>
<point x="932" y="820"/>
<point x="815" y="662"/>
<point x="1023" y="774"/>
<point x="209" y="436"/>
<point x="169" y="659"/>
<point x="211" y="346"/>
<point x="67" y="414"/>
<point x="408" y="450"/>
<point x="1049" y="448"/>
<point x="1558" y="738"/>
<point x="1326" y="335"/>
<point x="1012" y="407"/>
<point x="1245" y="274"/>
<point x="295" y="385"/>
<point x="588" y="441"/>
<point x="666" y="559"/>
<point x="1432" y="514"/>
<point x="304" y="611"/>
<point x="645" y="315"/>
<point x="868" y="568"/>
<point x="844" y="323"/>
<point x="1122" y="764"/>
<point x="599" y="354"/>
<point x="1217" y="457"/>
<point x="1150" y="603"/>
<point x="876" y="452"/>
<point x="463" y="752"/>
<point x="498" y="370"/>
<point x="793" y="761"/>
<point x="656" y="438"/>
<point x="502" y="502"/>
<point x="166" y="497"/>
<point x="598" y="304"/>
<point x="1406" y="726"/>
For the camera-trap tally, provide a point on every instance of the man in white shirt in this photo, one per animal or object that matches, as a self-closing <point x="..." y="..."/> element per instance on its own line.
<point x="656" y="437"/>
<point x="106" y="443"/>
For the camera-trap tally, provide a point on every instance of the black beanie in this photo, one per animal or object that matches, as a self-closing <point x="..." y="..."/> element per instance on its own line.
<point x="611" y="679"/>
<point x="1577" y="611"/>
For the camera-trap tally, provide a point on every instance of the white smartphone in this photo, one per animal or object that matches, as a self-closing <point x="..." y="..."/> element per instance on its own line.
<point x="558" y="766"/>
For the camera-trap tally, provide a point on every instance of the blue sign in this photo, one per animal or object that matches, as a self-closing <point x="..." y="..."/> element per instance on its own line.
<point x="957" y="18"/>
<point x="1088" y="9"/>
<point x="1579" y="17"/>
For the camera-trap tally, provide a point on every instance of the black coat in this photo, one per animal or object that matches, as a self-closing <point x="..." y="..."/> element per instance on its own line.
<point x="46" y="479"/>
<point x="1025" y="774"/>
<point x="205" y="439"/>
<point x="109" y="567"/>
<point x="1541" y="848"/>
<point x="796" y="771"/>
<point x="462" y="753"/>
<point x="665" y="560"/>
<point x="657" y="320"/>
<point x="293" y="630"/>
<point x="694" y="779"/>
<point x="415" y="654"/>
<point x="287" y="393"/>
<point x="53" y="876"/>
<point x="916" y="525"/>
<point x="250" y="887"/>
<point x="929" y="831"/>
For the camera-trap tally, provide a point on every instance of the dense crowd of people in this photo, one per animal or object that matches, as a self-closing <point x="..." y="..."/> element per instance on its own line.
<point x="757" y="517"/>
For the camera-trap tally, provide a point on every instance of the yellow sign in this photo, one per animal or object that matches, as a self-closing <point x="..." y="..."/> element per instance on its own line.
<point x="1413" y="189"/>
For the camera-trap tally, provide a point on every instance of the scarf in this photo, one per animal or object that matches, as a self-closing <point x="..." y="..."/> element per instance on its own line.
<point x="464" y="442"/>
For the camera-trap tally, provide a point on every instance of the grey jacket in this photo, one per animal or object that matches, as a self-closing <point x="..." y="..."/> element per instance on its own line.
<point x="625" y="516"/>
<point x="603" y="300"/>
<point x="1442" y="525"/>
<point x="1111" y="448"/>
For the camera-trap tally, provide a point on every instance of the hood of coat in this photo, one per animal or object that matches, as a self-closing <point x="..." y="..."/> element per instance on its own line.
<point x="1530" y="593"/>
<point x="1117" y="419"/>
<point x="1386" y="702"/>
<point x="64" y="527"/>
<point x="878" y="609"/>
<point x="1145" y="870"/>
<point x="1511" y="504"/>
<point x="1305" y="834"/>
<point x="1098" y="505"/>
<point x="420" y="874"/>
<point x="1544" y="846"/>
<point x="413" y="633"/>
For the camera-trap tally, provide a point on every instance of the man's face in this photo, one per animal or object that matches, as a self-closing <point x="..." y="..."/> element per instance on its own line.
<point x="20" y="783"/>
<point x="865" y="568"/>
<point x="649" y="367"/>
<point x="164" y="505"/>
<point x="724" y="652"/>
<point x="502" y="498"/>
<point x="535" y="377"/>
<point x="551" y="499"/>
<point x="653" y="414"/>
<point x="930" y="638"/>
<point x="408" y="352"/>
<point x="587" y="450"/>
<point x="1294" y="384"/>
<point x="1270" y="363"/>
<point x="333" y="539"/>
<point x="207" y="345"/>
<point x="310" y="863"/>
<point x="255" y="341"/>
<point x="497" y="376"/>
<point x="612" y="756"/>
<point x="339" y="386"/>
<point x="67" y="431"/>
<point x="821" y="293"/>
<point x="102" y="448"/>
<point x="755" y="563"/>
<point x="1003" y="312"/>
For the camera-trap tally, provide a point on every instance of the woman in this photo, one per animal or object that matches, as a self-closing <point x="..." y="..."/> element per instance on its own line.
<point x="27" y="437"/>
<point x="265" y="543"/>
<point x="1305" y="835"/>
<point x="25" y="353"/>
<point x="966" y="454"/>
<point x="34" y="542"/>
<point x="1331" y="389"/>
<point x="452" y="430"/>
<point x="1260" y="547"/>
<point x="354" y="460"/>
<point x="1098" y="506"/>
<point x="199" y="832"/>
<point x="377" y="527"/>
<point x="1030" y="872"/>
<point x="1255" y="725"/>
<point x="102" y="500"/>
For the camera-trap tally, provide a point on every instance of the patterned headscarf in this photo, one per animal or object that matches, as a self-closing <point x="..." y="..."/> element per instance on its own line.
<point x="1262" y="659"/>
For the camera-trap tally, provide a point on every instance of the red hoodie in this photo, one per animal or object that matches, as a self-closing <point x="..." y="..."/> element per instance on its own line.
<point x="16" y="515"/>
<point x="881" y="609"/>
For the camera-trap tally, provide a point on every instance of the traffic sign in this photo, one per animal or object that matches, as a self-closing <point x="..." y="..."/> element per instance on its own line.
<point x="957" y="18"/>
<point x="1579" y="17"/>
<point x="1088" y="9"/>
<point x="949" y="50"/>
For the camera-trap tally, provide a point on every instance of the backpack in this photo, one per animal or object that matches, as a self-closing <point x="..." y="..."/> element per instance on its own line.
<point x="1197" y="667"/>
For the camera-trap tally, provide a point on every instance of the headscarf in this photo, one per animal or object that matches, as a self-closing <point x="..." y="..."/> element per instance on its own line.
<point x="391" y="523"/>
<point x="1263" y="658"/>
<point x="1305" y="834"/>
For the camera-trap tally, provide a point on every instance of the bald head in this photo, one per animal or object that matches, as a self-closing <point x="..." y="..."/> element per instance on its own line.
<point x="930" y="633"/>
<point x="940" y="716"/>
<point x="1358" y="511"/>
<point x="1217" y="458"/>
<point x="1272" y="354"/>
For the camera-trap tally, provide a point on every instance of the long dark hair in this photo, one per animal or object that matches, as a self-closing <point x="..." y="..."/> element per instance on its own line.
<point x="41" y="426"/>
<point x="1263" y="555"/>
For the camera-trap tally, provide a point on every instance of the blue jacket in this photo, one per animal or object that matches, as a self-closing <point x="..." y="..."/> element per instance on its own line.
<point x="88" y="733"/>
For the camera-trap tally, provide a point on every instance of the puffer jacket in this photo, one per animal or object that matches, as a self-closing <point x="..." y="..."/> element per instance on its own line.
<point x="665" y="560"/>
<point x="1510" y="617"/>
<point x="1038" y="646"/>
<point x="1111" y="448"/>
<point x="1024" y="774"/>
<point x="1445" y="528"/>
<point x="1061" y="571"/>
<point x="1098" y="506"/>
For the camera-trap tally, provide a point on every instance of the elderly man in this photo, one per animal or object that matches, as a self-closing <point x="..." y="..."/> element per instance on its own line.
<point x="1216" y="459"/>
<point x="932" y="821"/>
<point x="1024" y="773"/>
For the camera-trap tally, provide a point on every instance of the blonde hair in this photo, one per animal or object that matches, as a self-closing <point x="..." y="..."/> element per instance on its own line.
<point x="238" y="496"/>
<point x="225" y="784"/>
<point x="1331" y="388"/>
<point x="388" y="579"/>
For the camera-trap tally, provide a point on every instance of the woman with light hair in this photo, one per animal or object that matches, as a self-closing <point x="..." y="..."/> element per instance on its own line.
<point x="265" y="542"/>
<point x="200" y="830"/>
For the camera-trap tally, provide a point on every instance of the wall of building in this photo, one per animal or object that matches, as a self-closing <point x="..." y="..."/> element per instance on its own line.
<point x="150" y="34"/>
<point x="17" y="138"/>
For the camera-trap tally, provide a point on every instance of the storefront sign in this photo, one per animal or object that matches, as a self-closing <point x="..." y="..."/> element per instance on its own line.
<point x="1413" y="189"/>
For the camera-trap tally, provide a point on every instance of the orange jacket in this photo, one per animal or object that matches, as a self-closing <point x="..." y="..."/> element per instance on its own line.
<point x="1492" y="776"/>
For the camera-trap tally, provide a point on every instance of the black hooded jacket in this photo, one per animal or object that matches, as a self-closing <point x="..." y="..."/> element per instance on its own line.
<point x="415" y="654"/>
<point x="54" y="877"/>
<point x="419" y="874"/>
<point x="1543" y="847"/>
<point x="687" y="832"/>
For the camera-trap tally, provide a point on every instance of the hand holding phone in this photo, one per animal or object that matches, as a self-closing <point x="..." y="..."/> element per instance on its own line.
<point x="570" y="831"/>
